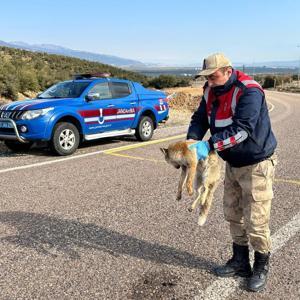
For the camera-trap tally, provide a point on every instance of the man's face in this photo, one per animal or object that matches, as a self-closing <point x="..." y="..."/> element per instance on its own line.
<point x="218" y="78"/>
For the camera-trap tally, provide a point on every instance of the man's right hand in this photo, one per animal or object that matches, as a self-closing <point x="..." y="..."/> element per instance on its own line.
<point x="202" y="149"/>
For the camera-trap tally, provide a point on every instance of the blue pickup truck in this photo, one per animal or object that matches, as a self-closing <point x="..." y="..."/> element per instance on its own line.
<point x="89" y="107"/>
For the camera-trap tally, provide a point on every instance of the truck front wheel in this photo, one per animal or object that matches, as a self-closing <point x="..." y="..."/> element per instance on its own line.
<point x="145" y="129"/>
<point x="65" y="138"/>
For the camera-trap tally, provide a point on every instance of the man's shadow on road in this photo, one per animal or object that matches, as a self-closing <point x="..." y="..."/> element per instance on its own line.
<point x="47" y="234"/>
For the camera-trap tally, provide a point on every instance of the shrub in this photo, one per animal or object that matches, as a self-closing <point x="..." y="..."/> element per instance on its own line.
<point x="269" y="82"/>
<point x="166" y="81"/>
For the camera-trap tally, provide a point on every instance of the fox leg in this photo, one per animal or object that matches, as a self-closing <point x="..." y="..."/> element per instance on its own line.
<point x="182" y="180"/>
<point x="190" y="178"/>
<point x="204" y="195"/>
<point x="198" y="197"/>
<point x="206" y="203"/>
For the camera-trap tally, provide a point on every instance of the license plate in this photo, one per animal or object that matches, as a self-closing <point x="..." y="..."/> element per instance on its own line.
<point x="6" y="125"/>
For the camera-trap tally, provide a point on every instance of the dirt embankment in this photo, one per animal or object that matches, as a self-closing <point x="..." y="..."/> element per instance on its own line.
<point x="27" y="95"/>
<point x="183" y="102"/>
<point x="187" y="98"/>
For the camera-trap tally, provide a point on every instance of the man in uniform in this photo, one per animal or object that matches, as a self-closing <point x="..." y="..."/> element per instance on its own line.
<point x="234" y="108"/>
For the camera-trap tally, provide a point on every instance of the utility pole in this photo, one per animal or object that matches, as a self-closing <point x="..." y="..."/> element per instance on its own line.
<point x="298" y="46"/>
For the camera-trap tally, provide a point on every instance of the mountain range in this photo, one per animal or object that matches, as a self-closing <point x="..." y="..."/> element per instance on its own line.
<point x="54" y="49"/>
<point x="130" y="63"/>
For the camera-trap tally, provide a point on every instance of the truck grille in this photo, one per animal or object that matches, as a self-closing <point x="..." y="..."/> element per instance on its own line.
<point x="7" y="131"/>
<point x="11" y="114"/>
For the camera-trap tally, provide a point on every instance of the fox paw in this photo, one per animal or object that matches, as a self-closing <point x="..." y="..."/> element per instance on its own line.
<point x="201" y="220"/>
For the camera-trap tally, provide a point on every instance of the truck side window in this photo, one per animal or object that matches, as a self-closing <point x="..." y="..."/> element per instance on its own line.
<point x="120" y="89"/>
<point x="101" y="91"/>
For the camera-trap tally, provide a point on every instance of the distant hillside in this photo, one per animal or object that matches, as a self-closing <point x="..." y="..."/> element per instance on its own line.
<point x="22" y="71"/>
<point x="289" y="64"/>
<point x="53" y="49"/>
<point x="192" y="71"/>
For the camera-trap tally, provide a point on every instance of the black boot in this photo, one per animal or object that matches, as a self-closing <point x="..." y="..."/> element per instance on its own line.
<point x="239" y="264"/>
<point x="260" y="270"/>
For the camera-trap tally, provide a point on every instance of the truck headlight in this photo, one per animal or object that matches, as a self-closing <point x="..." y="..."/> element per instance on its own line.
<point x="32" y="114"/>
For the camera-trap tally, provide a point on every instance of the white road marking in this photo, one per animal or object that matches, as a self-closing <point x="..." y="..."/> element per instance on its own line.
<point x="115" y="149"/>
<point x="285" y="114"/>
<point x="50" y="162"/>
<point x="221" y="288"/>
<point x="272" y="106"/>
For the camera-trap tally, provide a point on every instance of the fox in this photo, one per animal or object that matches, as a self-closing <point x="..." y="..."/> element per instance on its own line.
<point x="200" y="177"/>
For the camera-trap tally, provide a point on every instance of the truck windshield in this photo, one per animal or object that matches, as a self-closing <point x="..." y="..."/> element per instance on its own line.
<point x="67" y="89"/>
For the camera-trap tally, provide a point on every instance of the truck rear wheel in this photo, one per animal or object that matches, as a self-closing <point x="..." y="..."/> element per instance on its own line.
<point x="18" y="146"/>
<point x="65" y="138"/>
<point x="145" y="129"/>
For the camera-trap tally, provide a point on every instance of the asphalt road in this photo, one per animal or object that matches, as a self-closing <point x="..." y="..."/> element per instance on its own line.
<point x="104" y="223"/>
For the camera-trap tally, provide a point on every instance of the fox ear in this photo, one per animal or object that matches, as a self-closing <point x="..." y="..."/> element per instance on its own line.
<point x="164" y="151"/>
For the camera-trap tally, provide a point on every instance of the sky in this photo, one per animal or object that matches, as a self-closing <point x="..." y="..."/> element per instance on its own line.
<point x="159" y="31"/>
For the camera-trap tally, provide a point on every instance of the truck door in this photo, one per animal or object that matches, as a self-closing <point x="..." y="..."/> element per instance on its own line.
<point x="98" y="112"/>
<point x="126" y="103"/>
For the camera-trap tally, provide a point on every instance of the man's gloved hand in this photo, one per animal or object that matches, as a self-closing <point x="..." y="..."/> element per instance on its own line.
<point x="202" y="149"/>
